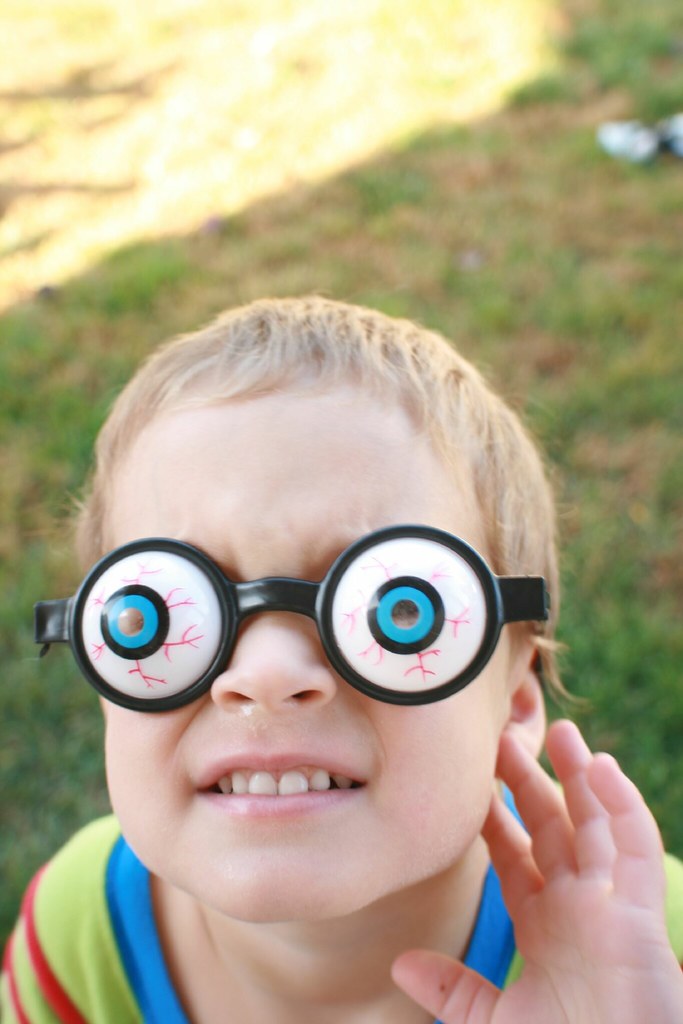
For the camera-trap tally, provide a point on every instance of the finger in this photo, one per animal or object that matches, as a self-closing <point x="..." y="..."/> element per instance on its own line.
<point x="541" y="806"/>
<point x="445" y="988"/>
<point x="571" y="758"/>
<point x="638" y="872"/>
<point x="511" y="854"/>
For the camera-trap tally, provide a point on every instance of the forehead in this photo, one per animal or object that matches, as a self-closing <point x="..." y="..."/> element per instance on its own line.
<point x="278" y="480"/>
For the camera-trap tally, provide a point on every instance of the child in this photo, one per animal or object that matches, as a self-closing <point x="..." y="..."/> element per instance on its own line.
<point x="319" y="638"/>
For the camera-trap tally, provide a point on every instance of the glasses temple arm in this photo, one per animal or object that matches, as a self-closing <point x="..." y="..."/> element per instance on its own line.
<point x="51" y="622"/>
<point x="524" y="598"/>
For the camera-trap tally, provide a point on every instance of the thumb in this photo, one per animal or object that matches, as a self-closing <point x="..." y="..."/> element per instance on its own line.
<point x="445" y="988"/>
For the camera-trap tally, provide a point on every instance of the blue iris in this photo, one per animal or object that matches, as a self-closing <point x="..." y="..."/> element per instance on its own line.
<point x="150" y="621"/>
<point x="420" y="605"/>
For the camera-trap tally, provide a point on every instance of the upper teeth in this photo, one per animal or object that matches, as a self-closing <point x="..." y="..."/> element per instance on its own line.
<point x="263" y="783"/>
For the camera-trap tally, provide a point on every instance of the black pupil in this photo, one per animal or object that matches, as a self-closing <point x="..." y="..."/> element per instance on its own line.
<point x="405" y="614"/>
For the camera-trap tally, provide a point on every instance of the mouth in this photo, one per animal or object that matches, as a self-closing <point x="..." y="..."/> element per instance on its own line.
<point x="292" y="782"/>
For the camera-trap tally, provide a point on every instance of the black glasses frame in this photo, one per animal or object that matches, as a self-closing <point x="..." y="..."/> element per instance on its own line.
<point x="507" y="598"/>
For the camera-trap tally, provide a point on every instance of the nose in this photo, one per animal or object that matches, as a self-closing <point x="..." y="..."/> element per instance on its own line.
<point x="277" y="664"/>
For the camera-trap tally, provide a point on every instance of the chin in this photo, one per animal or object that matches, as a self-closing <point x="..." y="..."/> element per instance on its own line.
<point x="282" y="897"/>
<point x="285" y="902"/>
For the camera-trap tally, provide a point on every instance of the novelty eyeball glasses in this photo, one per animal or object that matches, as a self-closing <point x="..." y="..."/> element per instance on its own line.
<point x="406" y="614"/>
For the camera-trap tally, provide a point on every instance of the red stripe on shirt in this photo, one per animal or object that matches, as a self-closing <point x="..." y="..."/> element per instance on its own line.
<point x="56" y="996"/>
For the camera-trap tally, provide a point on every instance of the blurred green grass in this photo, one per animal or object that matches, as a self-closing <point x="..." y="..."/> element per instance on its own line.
<point x="553" y="267"/>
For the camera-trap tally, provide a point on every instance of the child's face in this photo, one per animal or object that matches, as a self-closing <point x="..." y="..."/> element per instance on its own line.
<point x="279" y="486"/>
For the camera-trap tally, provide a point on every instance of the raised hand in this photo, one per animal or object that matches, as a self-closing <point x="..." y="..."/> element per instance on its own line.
<point x="585" y="889"/>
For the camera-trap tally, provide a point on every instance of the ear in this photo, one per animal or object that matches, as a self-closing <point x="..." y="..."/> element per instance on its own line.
<point x="527" y="717"/>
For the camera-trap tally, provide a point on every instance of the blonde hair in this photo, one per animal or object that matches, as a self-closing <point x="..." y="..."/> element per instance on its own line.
<point x="276" y="344"/>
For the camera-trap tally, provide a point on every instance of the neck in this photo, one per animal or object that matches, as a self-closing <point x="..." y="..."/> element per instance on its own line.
<point x="340" y="968"/>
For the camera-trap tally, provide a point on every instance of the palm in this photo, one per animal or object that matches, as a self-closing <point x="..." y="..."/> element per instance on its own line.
<point x="585" y="890"/>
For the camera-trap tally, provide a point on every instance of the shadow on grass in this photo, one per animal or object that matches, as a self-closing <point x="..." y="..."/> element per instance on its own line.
<point x="86" y="83"/>
<point x="547" y="264"/>
<point x="77" y="89"/>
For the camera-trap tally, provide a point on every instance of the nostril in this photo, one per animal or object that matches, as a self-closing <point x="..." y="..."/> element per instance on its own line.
<point x="306" y="696"/>
<point x="236" y="699"/>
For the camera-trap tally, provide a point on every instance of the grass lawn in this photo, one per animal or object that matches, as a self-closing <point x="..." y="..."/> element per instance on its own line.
<point x="161" y="162"/>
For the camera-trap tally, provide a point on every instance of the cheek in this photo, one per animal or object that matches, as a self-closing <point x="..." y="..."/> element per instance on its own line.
<point x="138" y="760"/>
<point x="443" y="762"/>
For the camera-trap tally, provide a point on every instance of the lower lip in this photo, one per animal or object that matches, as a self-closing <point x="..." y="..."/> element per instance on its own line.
<point x="295" y="806"/>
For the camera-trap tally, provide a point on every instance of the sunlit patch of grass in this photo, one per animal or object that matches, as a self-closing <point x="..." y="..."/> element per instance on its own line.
<point x="133" y="119"/>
